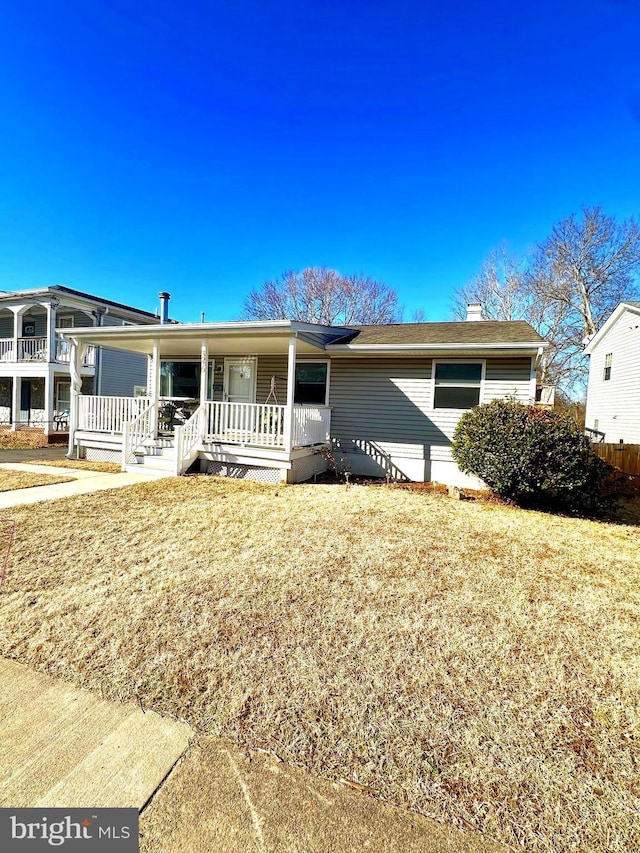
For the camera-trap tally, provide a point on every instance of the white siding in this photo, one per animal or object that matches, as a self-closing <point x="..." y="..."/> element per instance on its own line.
<point x="615" y="403"/>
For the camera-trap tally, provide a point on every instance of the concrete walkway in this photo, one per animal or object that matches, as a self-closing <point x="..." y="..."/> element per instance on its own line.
<point x="64" y="747"/>
<point x="61" y="746"/>
<point x="83" y="483"/>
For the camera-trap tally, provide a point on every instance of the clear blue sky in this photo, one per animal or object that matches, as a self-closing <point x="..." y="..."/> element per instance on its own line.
<point x="202" y="148"/>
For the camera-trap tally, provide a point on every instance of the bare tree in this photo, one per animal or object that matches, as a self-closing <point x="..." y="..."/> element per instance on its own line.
<point x="566" y="290"/>
<point x="322" y="295"/>
<point x="588" y="265"/>
<point x="501" y="287"/>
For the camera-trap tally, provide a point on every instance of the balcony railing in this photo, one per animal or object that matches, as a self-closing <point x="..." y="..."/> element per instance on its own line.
<point x="35" y="349"/>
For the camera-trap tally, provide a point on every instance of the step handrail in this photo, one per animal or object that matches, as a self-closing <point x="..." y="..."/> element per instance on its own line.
<point x="188" y="437"/>
<point x="136" y="431"/>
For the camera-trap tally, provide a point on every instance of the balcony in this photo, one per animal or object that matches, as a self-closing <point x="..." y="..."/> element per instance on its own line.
<point x="36" y="349"/>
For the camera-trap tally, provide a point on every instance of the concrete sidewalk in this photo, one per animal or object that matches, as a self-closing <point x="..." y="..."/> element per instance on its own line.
<point x="83" y="483"/>
<point x="64" y="747"/>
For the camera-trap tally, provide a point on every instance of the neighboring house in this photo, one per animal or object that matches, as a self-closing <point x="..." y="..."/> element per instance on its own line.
<point x="268" y="399"/>
<point x="35" y="381"/>
<point x="613" y="393"/>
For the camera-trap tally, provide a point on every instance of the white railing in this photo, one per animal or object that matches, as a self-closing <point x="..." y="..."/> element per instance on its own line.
<point x="258" y="424"/>
<point x="311" y="425"/>
<point x="35" y="349"/>
<point x="6" y="350"/>
<point x="136" y="432"/>
<point x="188" y="437"/>
<point x="32" y="349"/>
<point x="263" y="425"/>
<point x="63" y="353"/>
<point x="108" y="414"/>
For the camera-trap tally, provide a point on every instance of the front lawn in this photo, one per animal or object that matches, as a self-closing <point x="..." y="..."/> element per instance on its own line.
<point x="471" y="661"/>
<point x="10" y="480"/>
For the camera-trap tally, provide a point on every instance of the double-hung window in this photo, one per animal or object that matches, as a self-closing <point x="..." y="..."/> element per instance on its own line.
<point x="311" y="382"/>
<point x="456" y="384"/>
<point x="607" y="366"/>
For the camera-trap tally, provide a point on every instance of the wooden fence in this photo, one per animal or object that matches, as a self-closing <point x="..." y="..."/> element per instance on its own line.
<point x="623" y="456"/>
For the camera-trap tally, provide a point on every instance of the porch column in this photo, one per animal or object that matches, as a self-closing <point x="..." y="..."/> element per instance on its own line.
<point x="204" y="371"/>
<point x="75" y="360"/>
<point x="52" y="344"/>
<point x="154" y="390"/>
<point x="291" y="388"/>
<point x="17" y="331"/>
<point x="49" y="403"/>
<point x="16" y="392"/>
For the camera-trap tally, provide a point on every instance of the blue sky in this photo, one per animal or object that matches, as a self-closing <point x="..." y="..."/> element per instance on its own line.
<point x="202" y="148"/>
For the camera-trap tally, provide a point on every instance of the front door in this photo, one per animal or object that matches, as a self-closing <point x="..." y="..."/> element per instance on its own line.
<point x="240" y="380"/>
<point x="25" y="401"/>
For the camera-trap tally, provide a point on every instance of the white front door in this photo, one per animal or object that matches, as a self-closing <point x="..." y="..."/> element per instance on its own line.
<point x="240" y="380"/>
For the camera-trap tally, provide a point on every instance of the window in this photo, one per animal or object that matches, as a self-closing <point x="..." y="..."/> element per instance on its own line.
<point x="457" y="385"/>
<point x="182" y="379"/>
<point x="607" y="366"/>
<point x="311" y="382"/>
<point x="64" y="322"/>
<point x="596" y="424"/>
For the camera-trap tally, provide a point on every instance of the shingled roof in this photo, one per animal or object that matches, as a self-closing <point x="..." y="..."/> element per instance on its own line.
<point x="464" y="332"/>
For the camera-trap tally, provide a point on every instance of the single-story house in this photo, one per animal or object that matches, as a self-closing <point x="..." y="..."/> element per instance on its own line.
<point x="613" y="392"/>
<point x="267" y="400"/>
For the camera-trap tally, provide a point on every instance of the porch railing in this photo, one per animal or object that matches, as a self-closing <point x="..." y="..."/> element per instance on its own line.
<point x="63" y="353"/>
<point x="188" y="437"/>
<point x="35" y="349"/>
<point x="136" y="432"/>
<point x="311" y="425"/>
<point x="109" y="414"/>
<point x="245" y="423"/>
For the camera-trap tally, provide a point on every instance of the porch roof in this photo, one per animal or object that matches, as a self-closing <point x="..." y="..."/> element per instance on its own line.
<point x="236" y="338"/>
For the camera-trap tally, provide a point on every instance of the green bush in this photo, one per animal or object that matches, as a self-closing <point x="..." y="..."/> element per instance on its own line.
<point x="534" y="457"/>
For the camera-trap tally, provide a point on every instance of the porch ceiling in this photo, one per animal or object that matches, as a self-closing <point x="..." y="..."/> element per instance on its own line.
<point x="185" y="340"/>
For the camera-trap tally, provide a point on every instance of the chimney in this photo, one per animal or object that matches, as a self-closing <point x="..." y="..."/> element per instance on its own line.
<point x="164" y="306"/>
<point x="474" y="311"/>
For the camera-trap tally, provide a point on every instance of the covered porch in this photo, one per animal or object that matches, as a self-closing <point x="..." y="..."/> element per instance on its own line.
<point x="249" y="395"/>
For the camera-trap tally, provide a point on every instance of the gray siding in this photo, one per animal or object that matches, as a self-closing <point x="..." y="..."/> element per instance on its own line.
<point x="120" y="371"/>
<point x="387" y="404"/>
<point x="6" y="325"/>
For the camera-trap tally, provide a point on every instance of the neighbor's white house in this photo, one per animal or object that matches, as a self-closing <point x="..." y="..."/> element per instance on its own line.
<point x="35" y="379"/>
<point x="265" y="400"/>
<point x="613" y="392"/>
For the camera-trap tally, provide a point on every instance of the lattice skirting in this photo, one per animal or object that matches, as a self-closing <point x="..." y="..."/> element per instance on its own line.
<point x="99" y="454"/>
<point x="241" y="472"/>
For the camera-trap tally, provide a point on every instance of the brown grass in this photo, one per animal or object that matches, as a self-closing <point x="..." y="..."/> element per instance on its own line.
<point x="10" y="480"/>
<point x="473" y="662"/>
<point x="21" y="439"/>
<point x="79" y="464"/>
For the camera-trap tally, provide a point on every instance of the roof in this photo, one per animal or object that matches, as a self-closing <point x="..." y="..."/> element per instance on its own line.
<point x="461" y="338"/>
<point x="608" y="324"/>
<point x="60" y="288"/>
<point x="462" y="332"/>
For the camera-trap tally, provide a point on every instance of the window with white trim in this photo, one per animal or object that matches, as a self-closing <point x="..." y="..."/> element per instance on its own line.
<point x="311" y="383"/>
<point x="607" y="367"/>
<point x="457" y="385"/>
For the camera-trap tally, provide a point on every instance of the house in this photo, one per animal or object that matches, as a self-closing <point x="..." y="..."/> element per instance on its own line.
<point x="613" y="392"/>
<point x="267" y="399"/>
<point x="35" y="382"/>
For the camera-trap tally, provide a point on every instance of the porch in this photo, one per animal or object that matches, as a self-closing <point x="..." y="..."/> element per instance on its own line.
<point x="138" y="432"/>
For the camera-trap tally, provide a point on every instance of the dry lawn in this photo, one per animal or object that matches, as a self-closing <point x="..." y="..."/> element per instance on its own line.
<point x="474" y="662"/>
<point x="21" y="439"/>
<point x="79" y="464"/>
<point x="10" y="480"/>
